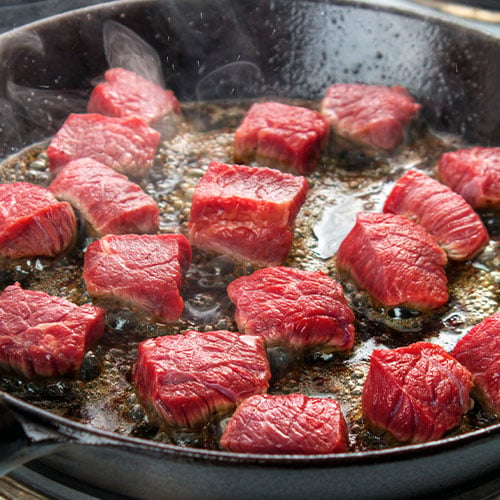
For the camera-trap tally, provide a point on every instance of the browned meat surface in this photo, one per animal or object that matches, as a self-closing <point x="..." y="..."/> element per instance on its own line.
<point x="416" y="393"/>
<point x="127" y="144"/>
<point x="184" y="380"/>
<point x="444" y="213"/>
<point x="107" y="200"/>
<point x="474" y="173"/>
<point x="296" y="308"/>
<point x="479" y="352"/>
<point x="395" y="260"/>
<point x="372" y="117"/>
<point x="275" y="134"/>
<point x="125" y="93"/>
<point x="144" y="271"/>
<point x="246" y="212"/>
<point x="289" y="424"/>
<point x="33" y="222"/>
<point x="43" y="335"/>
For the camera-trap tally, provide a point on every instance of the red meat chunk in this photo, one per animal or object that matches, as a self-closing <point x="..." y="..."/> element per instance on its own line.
<point x="395" y="260"/>
<point x="45" y="336"/>
<point x="297" y="308"/>
<point x="280" y="135"/>
<point x="416" y="393"/>
<point x="127" y="145"/>
<point x="370" y="116"/>
<point x="33" y="222"/>
<point x="291" y="424"/>
<point x="479" y="352"/>
<point x="144" y="271"/>
<point x="109" y="201"/>
<point x="444" y="213"/>
<point x="246" y="212"/>
<point x="186" y="380"/>
<point x="474" y="173"/>
<point x="125" y="93"/>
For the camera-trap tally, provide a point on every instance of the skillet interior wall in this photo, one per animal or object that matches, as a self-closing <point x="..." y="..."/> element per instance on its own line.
<point x="282" y="59"/>
<point x="217" y="49"/>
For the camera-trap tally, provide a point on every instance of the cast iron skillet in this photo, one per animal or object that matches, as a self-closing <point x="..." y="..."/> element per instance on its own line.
<point x="300" y="48"/>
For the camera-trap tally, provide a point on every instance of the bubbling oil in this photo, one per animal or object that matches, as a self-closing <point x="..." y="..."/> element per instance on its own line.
<point x="103" y="395"/>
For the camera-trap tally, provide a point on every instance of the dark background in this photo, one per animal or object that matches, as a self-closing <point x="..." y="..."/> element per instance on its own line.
<point x="15" y="13"/>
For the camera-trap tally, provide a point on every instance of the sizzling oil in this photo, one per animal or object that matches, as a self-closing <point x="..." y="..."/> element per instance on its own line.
<point x="340" y="187"/>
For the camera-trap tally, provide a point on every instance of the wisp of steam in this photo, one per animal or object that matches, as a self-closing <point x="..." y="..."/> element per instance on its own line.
<point x="125" y="49"/>
<point x="42" y="107"/>
<point x="237" y="79"/>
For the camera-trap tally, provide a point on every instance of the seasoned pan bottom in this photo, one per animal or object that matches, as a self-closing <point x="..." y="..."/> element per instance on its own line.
<point x="342" y="186"/>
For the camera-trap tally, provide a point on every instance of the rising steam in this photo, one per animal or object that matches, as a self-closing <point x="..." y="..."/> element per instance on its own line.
<point x="233" y="80"/>
<point x="125" y="49"/>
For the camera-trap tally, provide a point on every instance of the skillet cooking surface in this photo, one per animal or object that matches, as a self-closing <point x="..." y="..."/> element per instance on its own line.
<point x="103" y="396"/>
<point x="291" y="52"/>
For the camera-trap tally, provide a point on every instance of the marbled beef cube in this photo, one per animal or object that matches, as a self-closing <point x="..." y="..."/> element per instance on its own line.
<point x="444" y="213"/>
<point x="33" y="222"/>
<point x="372" y="117"/>
<point x="280" y="135"/>
<point x="416" y="393"/>
<point x="128" y="145"/>
<point x="474" y="173"/>
<point x="109" y="201"/>
<point x="246" y="212"/>
<point x="43" y="335"/>
<point x="125" y="93"/>
<point x="143" y="271"/>
<point x="290" y="424"/>
<point x="479" y="352"/>
<point x="395" y="260"/>
<point x="296" y="308"/>
<point x="186" y="380"/>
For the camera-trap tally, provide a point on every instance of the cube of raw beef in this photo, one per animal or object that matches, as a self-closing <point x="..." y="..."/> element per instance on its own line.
<point x="125" y="93"/>
<point x="280" y="135"/>
<point x="109" y="201"/>
<point x="290" y="424"/>
<point x="416" y="393"/>
<point x="33" y="222"/>
<point x="186" y="380"/>
<point x="246" y="212"/>
<point x="474" y="173"/>
<point x="370" y="116"/>
<point x="43" y="335"/>
<point x="144" y="271"/>
<point x="300" y="309"/>
<point x="444" y="213"/>
<point x="128" y="145"/>
<point x="395" y="260"/>
<point x="479" y="352"/>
